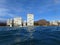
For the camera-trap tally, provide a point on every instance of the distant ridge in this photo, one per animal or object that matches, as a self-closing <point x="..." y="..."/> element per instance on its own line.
<point x="41" y="22"/>
<point x="2" y="23"/>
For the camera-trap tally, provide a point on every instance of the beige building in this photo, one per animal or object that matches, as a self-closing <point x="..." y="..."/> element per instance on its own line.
<point x="18" y="21"/>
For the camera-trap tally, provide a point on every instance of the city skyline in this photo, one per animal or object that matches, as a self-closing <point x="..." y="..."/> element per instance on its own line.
<point x="18" y="21"/>
<point x="42" y="9"/>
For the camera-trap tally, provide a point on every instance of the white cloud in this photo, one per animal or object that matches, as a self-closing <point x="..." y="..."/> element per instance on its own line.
<point x="3" y="1"/>
<point x="4" y="13"/>
<point x="7" y="12"/>
<point x="3" y="19"/>
<point x="57" y="1"/>
<point x="12" y="15"/>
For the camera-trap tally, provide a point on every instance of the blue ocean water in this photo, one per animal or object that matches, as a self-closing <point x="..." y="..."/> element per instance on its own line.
<point x="38" y="35"/>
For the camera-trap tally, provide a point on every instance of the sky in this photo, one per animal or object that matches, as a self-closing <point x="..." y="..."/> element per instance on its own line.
<point x="42" y="9"/>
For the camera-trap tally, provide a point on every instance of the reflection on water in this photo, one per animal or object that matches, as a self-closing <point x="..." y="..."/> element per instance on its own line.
<point x="30" y="29"/>
<point x="29" y="35"/>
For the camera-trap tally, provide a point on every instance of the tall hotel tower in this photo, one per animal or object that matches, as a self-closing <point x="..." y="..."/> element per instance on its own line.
<point x="9" y="22"/>
<point x="30" y="20"/>
<point x="18" y="21"/>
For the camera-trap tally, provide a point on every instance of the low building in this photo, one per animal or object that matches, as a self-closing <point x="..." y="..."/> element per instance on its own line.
<point x="9" y="22"/>
<point x="54" y="23"/>
<point x="17" y="21"/>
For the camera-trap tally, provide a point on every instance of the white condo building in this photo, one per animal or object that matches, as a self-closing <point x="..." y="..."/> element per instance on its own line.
<point x="30" y="20"/>
<point x="9" y="22"/>
<point x="18" y="21"/>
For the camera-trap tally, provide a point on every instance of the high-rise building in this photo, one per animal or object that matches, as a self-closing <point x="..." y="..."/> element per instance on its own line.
<point x="9" y="22"/>
<point x="18" y="21"/>
<point x="30" y="20"/>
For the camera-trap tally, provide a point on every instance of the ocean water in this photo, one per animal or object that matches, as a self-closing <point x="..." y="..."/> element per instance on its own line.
<point x="38" y="35"/>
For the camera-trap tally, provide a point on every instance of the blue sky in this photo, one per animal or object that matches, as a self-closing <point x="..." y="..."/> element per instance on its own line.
<point x="42" y="9"/>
